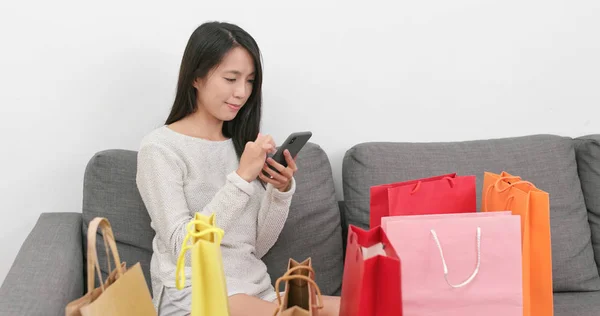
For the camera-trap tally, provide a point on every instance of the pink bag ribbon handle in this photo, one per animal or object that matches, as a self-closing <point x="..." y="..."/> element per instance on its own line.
<point x="474" y="274"/>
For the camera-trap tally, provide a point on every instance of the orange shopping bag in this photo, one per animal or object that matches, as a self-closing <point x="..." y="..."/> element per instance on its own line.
<point x="507" y="192"/>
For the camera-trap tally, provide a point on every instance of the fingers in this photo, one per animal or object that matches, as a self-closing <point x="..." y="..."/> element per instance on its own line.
<point x="279" y="176"/>
<point x="264" y="138"/>
<point x="267" y="179"/>
<point x="287" y="172"/>
<point x="266" y="142"/>
<point x="269" y="148"/>
<point x="272" y="142"/>
<point x="291" y="162"/>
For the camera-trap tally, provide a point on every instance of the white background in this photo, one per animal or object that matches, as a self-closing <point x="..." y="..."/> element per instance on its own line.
<point x="80" y="77"/>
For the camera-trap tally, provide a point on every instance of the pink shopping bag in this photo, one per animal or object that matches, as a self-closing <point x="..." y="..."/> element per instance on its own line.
<point x="459" y="264"/>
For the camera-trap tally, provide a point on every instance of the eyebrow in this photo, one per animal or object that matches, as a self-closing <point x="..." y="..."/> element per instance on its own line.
<point x="235" y="72"/>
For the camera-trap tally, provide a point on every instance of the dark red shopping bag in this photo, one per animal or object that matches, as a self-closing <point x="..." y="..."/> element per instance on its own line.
<point x="371" y="285"/>
<point x="442" y="194"/>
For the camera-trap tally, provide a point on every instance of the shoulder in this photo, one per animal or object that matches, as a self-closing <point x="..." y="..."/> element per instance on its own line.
<point x="157" y="136"/>
<point x="159" y="145"/>
<point x="166" y="146"/>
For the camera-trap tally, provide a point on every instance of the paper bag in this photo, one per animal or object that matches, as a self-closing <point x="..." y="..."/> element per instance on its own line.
<point x="442" y="194"/>
<point x="209" y="288"/>
<point x="506" y="192"/>
<point x="125" y="292"/>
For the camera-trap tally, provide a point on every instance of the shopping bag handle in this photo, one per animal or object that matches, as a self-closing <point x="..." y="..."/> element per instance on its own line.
<point x="92" y="255"/>
<point x="288" y="277"/>
<point x="508" y="187"/>
<point x="510" y="183"/>
<point x="418" y="185"/>
<point x="475" y="272"/>
<point x="192" y="232"/>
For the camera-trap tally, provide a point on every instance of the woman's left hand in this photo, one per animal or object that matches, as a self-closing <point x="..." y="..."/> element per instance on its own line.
<point x="281" y="180"/>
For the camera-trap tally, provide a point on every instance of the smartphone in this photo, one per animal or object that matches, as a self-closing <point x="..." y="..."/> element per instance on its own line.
<point x="294" y="143"/>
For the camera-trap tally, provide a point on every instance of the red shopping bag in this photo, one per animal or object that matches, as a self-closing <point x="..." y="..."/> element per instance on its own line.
<point x="371" y="284"/>
<point x="442" y="194"/>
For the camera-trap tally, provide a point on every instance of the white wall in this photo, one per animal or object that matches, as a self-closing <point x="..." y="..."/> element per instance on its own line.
<point x="78" y="78"/>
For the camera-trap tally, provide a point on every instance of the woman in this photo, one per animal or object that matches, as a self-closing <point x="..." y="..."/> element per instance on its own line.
<point x="209" y="157"/>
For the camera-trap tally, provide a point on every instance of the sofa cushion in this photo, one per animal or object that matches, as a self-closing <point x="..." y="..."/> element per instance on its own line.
<point x="577" y="304"/>
<point x="313" y="227"/>
<point x="587" y="150"/>
<point x="109" y="190"/>
<point x="548" y="161"/>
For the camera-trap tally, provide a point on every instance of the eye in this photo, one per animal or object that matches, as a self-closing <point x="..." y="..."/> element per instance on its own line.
<point x="230" y="79"/>
<point x="251" y="81"/>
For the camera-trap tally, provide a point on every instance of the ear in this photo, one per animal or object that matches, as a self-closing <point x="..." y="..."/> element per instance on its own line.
<point x="198" y="82"/>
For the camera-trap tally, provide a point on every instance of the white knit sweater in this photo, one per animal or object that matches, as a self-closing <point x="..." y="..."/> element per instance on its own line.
<point x="178" y="175"/>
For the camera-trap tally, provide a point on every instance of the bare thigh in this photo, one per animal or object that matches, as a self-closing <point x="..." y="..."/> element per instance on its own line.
<point x="242" y="305"/>
<point x="331" y="306"/>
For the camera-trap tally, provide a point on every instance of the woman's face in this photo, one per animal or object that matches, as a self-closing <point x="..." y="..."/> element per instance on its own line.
<point x="227" y="87"/>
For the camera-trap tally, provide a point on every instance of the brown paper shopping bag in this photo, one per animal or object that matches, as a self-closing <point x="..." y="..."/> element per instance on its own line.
<point x="124" y="293"/>
<point x="74" y="307"/>
<point x="301" y="291"/>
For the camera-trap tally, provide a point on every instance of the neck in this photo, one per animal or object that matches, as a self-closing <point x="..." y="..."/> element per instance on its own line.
<point x="206" y="126"/>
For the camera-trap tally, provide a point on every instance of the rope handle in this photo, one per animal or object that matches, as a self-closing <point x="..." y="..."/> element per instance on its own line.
<point x="475" y="272"/>
<point x="288" y="277"/>
<point x="510" y="185"/>
<point x="192" y="232"/>
<point x="92" y="255"/>
<point x="97" y="264"/>
<point x="418" y="185"/>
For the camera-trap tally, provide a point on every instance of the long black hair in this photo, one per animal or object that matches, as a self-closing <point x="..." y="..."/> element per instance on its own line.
<point x="204" y="51"/>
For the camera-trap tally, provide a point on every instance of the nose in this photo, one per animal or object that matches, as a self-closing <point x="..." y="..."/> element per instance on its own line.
<point x="239" y="91"/>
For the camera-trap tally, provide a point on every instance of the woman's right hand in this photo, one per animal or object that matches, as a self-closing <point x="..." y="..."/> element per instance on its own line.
<point x="254" y="157"/>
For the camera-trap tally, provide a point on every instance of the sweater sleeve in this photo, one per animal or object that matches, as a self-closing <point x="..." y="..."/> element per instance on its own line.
<point x="273" y="213"/>
<point x="160" y="181"/>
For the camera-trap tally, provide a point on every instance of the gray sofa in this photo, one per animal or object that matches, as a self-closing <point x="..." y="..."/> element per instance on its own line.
<point x="48" y="271"/>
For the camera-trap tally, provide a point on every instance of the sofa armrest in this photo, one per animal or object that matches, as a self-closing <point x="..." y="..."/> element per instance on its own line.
<point x="48" y="270"/>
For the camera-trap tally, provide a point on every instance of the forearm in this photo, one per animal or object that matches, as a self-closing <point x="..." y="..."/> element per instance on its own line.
<point x="272" y="216"/>
<point x="230" y="201"/>
<point x="170" y="218"/>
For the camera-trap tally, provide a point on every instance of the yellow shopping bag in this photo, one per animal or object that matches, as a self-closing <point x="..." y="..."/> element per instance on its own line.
<point x="209" y="289"/>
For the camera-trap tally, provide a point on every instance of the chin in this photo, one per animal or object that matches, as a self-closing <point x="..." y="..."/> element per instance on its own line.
<point x="227" y="118"/>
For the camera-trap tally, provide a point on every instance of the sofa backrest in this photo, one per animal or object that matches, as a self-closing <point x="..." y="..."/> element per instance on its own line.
<point x="587" y="149"/>
<point x="313" y="227"/>
<point x="546" y="160"/>
<point x="110" y="190"/>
